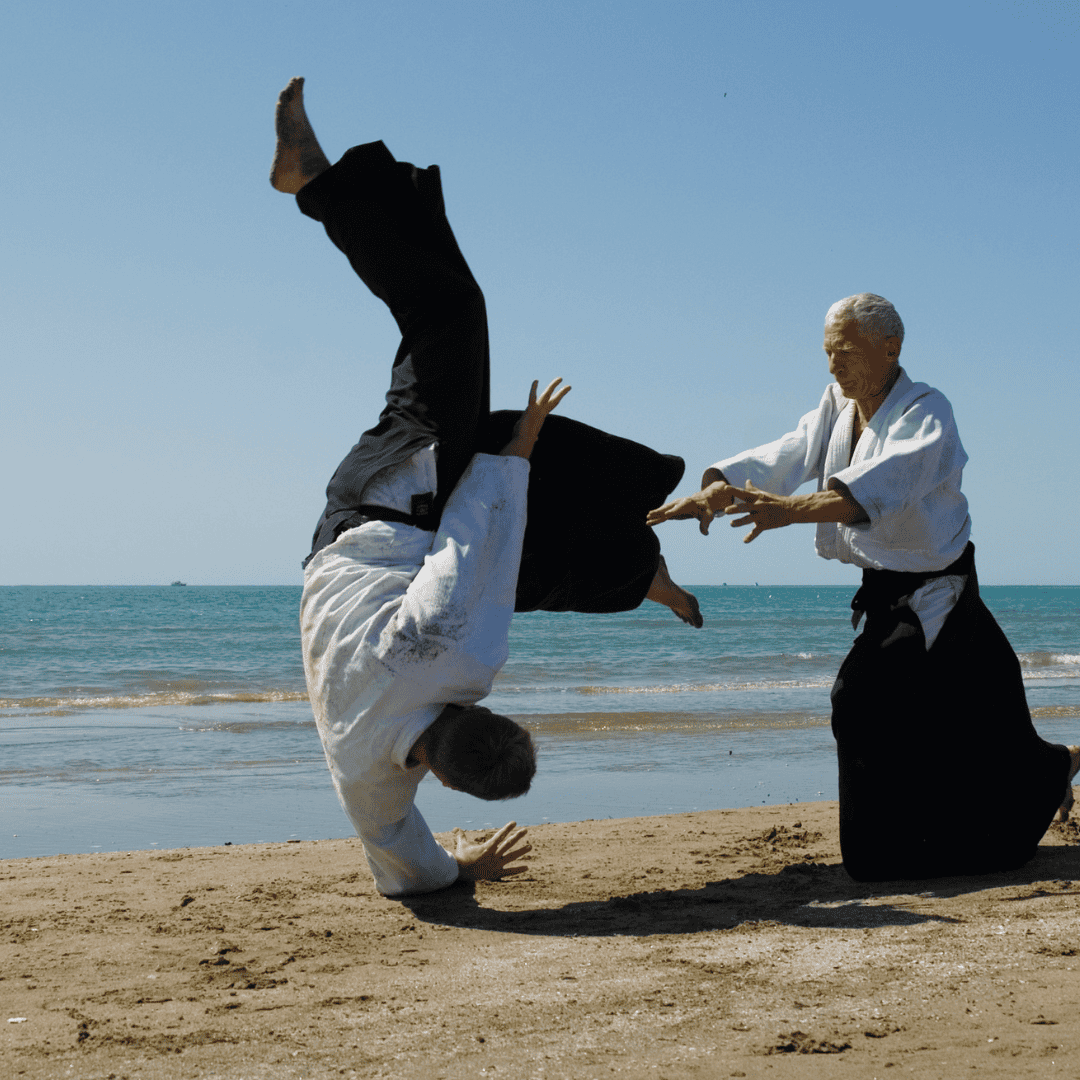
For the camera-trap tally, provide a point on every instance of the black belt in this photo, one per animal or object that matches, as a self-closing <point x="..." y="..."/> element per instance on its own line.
<point x="881" y="589"/>
<point x="423" y="516"/>
<point x="365" y="513"/>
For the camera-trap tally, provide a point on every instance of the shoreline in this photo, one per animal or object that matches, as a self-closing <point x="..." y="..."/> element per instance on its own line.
<point x="150" y="780"/>
<point x="716" y="943"/>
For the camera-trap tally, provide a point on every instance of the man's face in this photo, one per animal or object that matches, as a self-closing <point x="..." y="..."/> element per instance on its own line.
<point x="859" y="366"/>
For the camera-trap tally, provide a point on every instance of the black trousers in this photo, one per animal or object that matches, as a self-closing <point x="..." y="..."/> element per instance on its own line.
<point x="587" y="547"/>
<point x="941" y="769"/>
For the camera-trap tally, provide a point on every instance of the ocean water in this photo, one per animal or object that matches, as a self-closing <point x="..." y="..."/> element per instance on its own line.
<point x="177" y="716"/>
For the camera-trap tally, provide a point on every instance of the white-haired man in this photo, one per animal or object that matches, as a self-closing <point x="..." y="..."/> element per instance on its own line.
<point x="929" y="713"/>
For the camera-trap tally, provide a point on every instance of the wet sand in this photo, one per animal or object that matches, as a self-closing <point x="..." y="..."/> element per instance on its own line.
<point x="716" y="944"/>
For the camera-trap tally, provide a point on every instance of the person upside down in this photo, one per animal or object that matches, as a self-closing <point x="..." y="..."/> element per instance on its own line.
<point x="443" y="520"/>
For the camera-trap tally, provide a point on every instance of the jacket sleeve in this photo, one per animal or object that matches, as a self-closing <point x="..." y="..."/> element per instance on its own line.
<point x="450" y="633"/>
<point x="403" y="854"/>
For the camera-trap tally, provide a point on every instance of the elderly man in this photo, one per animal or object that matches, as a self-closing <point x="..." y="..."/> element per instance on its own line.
<point x="929" y="713"/>
<point x="442" y="521"/>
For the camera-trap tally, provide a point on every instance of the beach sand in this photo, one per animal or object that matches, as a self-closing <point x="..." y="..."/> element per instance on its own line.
<point x="719" y="944"/>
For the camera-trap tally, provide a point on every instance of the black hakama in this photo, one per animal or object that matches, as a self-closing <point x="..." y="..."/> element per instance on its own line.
<point x="586" y="546"/>
<point x="941" y="769"/>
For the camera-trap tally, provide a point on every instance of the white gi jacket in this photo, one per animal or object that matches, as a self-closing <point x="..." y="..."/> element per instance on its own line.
<point x="905" y="472"/>
<point x="396" y="623"/>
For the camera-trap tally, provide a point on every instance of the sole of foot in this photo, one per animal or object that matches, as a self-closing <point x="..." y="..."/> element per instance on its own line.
<point x="298" y="157"/>
<point x="664" y="591"/>
<point x="695" y="618"/>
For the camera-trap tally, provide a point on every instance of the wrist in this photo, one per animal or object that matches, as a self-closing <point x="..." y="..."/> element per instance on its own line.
<point x="518" y="448"/>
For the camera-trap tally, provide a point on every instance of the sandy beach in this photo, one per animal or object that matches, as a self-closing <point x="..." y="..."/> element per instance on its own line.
<point x="717" y="944"/>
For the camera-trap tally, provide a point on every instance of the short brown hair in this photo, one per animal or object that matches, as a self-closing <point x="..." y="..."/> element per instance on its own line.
<point x="484" y="754"/>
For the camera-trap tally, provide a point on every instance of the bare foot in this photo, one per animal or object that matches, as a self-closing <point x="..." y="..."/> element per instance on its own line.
<point x="1074" y="767"/>
<point x="298" y="157"/>
<point x="664" y="591"/>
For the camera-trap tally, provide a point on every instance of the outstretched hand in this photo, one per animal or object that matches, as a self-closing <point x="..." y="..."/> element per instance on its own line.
<point x="703" y="505"/>
<point x="489" y="861"/>
<point x="761" y="509"/>
<point x="532" y="419"/>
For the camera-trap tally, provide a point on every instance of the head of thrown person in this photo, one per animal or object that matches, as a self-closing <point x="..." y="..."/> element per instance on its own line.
<point x="863" y="336"/>
<point x="471" y="749"/>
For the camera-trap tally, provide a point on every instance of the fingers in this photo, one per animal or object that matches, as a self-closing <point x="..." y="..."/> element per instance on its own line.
<point x="508" y="857"/>
<point x="488" y="861"/>
<point x="560" y="395"/>
<point x="501" y="834"/>
<point x="746" y="502"/>
<point x="679" y="510"/>
<point x="750" y="519"/>
<point x="505" y="847"/>
<point x="510" y="851"/>
<point x="661" y="513"/>
<point x="549" y="398"/>
<point x="502" y="843"/>
<point x="551" y="395"/>
<point x="549" y="389"/>
<point x="670" y="513"/>
<point x="531" y="420"/>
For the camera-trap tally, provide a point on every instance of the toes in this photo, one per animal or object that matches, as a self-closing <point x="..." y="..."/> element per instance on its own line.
<point x="696" y="620"/>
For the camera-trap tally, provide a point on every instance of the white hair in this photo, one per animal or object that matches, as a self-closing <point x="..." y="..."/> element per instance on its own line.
<point x="873" y="314"/>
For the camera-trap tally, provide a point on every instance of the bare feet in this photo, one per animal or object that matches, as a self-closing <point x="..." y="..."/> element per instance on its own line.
<point x="298" y="157"/>
<point x="1074" y="767"/>
<point x="664" y="591"/>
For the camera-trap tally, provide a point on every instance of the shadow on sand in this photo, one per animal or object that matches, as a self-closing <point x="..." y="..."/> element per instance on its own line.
<point x="805" y="894"/>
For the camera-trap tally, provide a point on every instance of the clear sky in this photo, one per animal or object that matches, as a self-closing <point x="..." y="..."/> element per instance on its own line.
<point x="660" y="199"/>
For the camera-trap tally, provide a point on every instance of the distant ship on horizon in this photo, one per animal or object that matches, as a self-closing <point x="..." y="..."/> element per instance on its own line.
<point x="179" y="582"/>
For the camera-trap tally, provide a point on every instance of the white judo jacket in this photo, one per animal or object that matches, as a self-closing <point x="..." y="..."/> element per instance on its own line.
<point x="396" y="623"/>
<point x="905" y="472"/>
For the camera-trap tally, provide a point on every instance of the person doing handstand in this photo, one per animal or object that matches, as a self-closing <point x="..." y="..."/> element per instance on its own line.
<point x="442" y="521"/>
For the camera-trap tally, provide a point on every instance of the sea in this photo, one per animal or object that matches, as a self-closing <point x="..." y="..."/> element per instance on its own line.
<point x="137" y="718"/>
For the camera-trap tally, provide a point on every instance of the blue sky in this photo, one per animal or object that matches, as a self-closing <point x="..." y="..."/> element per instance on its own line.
<point x="661" y="200"/>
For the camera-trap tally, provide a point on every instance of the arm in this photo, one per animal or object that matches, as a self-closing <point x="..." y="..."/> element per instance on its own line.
<point x="488" y="861"/>
<point x="450" y="633"/>
<point x="782" y="465"/>
<point x="765" y="511"/>
<point x="715" y="496"/>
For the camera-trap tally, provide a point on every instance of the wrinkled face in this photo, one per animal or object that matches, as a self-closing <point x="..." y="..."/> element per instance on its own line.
<point x="861" y="367"/>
